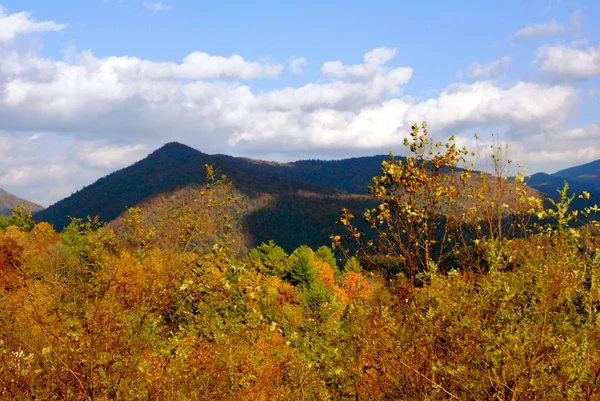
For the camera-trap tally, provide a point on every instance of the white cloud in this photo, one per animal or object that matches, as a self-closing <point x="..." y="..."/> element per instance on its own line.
<point x="383" y="123"/>
<point x="12" y="25"/>
<point x="297" y="65"/>
<point x="102" y="113"/>
<point x="554" y="151"/>
<point x="374" y="62"/>
<point x="156" y="6"/>
<point x="28" y="174"/>
<point x="195" y="66"/>
<point x="22" y="161"/>
<point x="487" y="71"/>
<point x="140" y="98"/>
<point x="111" y="156"/>
<point x="591" y="131"/>
<point x="34" y="168"/>
<point x="539" y="31"/>
<point x="570" y="63"/>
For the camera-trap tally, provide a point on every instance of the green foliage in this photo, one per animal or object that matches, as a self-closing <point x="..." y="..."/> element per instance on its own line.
<point x="270" y="258"/>
<point x="19" y="218"/>
<point x="353" y="265"/>
<point x="326" y="255"/>
<point x="314" y="298"/>
<point x="303" y="270"/>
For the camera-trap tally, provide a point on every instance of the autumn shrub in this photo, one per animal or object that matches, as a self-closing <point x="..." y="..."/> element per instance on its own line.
<point x="436" y="212"/>
<point x="93" y="315"/>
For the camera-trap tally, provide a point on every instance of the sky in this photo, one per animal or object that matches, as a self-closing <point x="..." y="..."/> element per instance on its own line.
<point x="88" y="87"/>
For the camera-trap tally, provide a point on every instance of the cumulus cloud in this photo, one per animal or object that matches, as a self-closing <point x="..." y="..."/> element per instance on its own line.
<point x="569" y="63"/>
<point x="591" y="131"/>
<point x="297" y="65"/>
<point x="538" y="31"/>
<point x="107" y="112"/>
<point x="26" y="168"/>
<point x="382" y="123"/>
<point x="374" y="64"/>
<point x="28" y="174"/>
<point x="111" y="156"/>
<point x="34" y="167"/>
<point x="146" y="102"/>
<point x="12" y="25"/>
<point x="487" y="71"/>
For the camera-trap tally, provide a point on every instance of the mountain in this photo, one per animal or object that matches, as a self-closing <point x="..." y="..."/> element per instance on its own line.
<point x="585" y="177"/>
<point x="172" y="167"/>
<point x="586" y="174"/>
<point x="279" y="202"/>
<point x="351" y="175"/>
<point x="8" y="202"/>
<point x="292" y="203"/>
<point x="549" y="183"/>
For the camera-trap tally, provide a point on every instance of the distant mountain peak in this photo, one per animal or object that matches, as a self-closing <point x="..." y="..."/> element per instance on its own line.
<point x="176" y="148"/>
<point x="175" y="145"/>
<point x="583" y="173"/>
<point x="9" y="201"/>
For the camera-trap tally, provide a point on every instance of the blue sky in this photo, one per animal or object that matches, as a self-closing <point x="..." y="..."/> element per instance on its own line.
<point x="92" y="86"/>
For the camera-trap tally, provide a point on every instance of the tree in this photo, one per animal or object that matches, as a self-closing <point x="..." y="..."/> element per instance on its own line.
<point x="417" y="220"/>
<point x="303" y="270"/>
<point x="19" y="217"/>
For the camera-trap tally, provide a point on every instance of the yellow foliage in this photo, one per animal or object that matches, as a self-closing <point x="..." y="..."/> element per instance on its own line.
<point x="325" y="273"/>
<point x="16" y="234"/>
<point x="287" y="294"/>
<point x="43" y="234"/>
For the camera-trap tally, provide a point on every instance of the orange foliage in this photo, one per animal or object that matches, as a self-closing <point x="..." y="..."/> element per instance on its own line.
<point x="263" y="367"/>
<point x="287" y="294"/>
<point x="11" y="254"/>
<point x="356" y="286"/>
<point x="325" y="273"/>
<point x="340" y="294"/>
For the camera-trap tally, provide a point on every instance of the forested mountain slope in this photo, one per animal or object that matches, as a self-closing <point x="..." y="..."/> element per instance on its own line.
<point x="277" y="206"/>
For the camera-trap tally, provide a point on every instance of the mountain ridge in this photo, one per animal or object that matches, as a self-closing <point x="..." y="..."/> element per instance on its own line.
<point x="284" y="198"/>
<point x="9" y="201"/>
<point x="277" y="202"/>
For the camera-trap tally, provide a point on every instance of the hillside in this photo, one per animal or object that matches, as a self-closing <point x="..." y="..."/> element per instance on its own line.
<point x="580" y="178"/>
<point x="585" y="177"/>
<point x="548" y="183"/>
<point x="587" y="174"/>
<point x="351" y="175"/>
<point x="274" y="202"/>
<point x="9" y="201"/>
<point x="159" y="312"/>
<point x="172" y="167"/>
<point x="292" y="203"/>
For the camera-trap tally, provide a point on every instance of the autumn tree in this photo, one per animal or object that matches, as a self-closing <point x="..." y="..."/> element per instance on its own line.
<point x="416" y="221"/>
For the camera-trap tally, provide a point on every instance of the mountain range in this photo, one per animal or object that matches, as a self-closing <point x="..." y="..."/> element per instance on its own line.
<point x="287" y="202"/>
<point x="585" y="177"/>
<point x="293" y="203"/>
